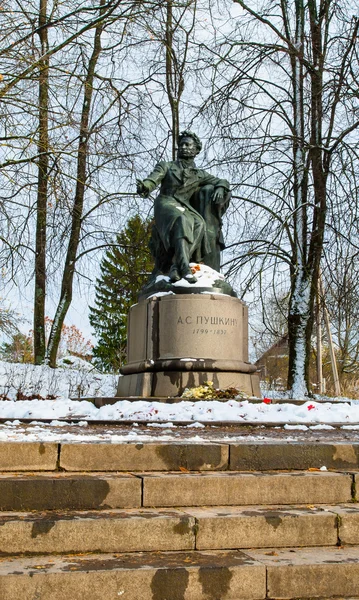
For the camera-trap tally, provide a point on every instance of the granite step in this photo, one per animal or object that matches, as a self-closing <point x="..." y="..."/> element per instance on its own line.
<point x="235" y="488"/>
<point x="176" y="455"/>
<point x="206" y="456"/>
<point x="165" y="456"/>
<point x="61" y="491"/>
<point x="306" y="573"/>
<point x="66" y="532"/>
<point x="310" y="572"/>
<point x="242" y="527"/>
<point x="145" y="530"/>
<point x="95" y="491"/>
<point x="147" y="576"/>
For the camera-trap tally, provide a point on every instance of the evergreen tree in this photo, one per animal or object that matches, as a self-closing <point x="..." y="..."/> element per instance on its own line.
<point x="124" y="270"/>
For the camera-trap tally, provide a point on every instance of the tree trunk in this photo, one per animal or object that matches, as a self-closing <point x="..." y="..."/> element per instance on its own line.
<point x="41" y="203"/>
<point x="305" y="288"/>
<point x="174" y="78"/>
<point x="70" y="261"/>
<point x="299" y="299"/>
<point x="316" y="158"/>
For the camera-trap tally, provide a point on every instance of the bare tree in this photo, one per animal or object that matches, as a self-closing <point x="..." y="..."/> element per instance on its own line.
<point x="77" y="210"/>
<point x="176" y="59"/>
<point x="64" y="165"/>
<point x="41" y="202"/>
<point x="340" y="274"/>
<point x="168" y="38"/>
<point x="285" y="104"/>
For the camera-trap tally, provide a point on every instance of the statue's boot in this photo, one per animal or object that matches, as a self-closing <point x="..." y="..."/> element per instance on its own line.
<point x="174" y="274"/>
<point x="182" y="260"/>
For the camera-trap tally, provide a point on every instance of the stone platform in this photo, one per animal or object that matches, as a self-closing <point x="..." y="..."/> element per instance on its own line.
<point x="181" y="341"/>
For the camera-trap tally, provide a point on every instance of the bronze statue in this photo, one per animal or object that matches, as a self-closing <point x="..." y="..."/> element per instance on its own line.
<point x="188" y="212"/>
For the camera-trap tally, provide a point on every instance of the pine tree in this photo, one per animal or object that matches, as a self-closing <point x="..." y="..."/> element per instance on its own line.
<point x="124" y="270"/>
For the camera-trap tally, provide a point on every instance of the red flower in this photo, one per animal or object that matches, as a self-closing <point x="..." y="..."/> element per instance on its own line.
<point x="267" y="400"/>
<point x="311" y="406"/>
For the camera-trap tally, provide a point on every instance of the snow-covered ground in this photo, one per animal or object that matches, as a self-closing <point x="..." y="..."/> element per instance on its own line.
<point x="20" y="382"/>
<point x="203" y="411"/>
<point x="73" y="378"/>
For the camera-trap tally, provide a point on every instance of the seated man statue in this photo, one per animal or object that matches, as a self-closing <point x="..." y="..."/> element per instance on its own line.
<point x="188" y="212"/>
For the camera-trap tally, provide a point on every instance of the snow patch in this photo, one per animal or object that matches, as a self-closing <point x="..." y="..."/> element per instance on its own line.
<point x="206" y="277"/>
<point x="159" y="294"/>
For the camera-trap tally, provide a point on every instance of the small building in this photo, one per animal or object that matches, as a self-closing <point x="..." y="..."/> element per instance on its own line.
<point x="273" y="364"/>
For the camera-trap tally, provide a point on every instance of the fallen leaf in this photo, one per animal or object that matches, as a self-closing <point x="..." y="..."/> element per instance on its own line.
<point x="184" y="470"/>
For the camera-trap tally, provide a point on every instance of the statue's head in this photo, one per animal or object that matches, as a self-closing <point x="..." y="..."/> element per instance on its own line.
<point x="189" y="144"/>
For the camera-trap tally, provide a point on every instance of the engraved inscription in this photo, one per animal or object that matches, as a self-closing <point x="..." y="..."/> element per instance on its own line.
<point x="214" y="331"/>
<point x="208" y="322"/>
<point x="184" y="320"/>
<point x="216" y="321"/>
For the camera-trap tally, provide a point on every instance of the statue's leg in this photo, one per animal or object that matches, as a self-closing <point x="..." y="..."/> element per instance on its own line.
<point x="181" y="249"/>
<point x="174" y="273"/>
<point x="182" y="259"/>
<point x="202" y="202"/>
<point x="163" y="259"/>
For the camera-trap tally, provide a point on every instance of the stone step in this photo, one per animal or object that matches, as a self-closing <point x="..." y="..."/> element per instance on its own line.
<point x="205" y="456"/>
<point x="104" y="401"/>
<point x="232" y="488"/>
<point x="231" y="527"/>
<point x="28" y="456"/>
<point x="144" y="576"/>
<point x="170" y="456"/>
<point x="137" y="530"/>
<point x="133" y="530"/>
<point x="79" y="491"/>
<point x="174" y="456"/>
<point x="310" y="572"/>
<point x="304" y="573"/>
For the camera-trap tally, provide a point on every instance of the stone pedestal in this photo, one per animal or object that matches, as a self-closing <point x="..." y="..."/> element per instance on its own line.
<point x="183" y="340"/>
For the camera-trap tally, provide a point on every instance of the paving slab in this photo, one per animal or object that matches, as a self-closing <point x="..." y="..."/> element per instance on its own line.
<point x="231" y="488"/>
<point x="144" y="457"/>
<point x="310" y="572"/>
<point x="157" y="576"/>
<point x="28" y="456"/>
<point x="77" y="491"/>
<point x="294" y="455"/>
<point x="102" y="531"/>
<point x="348" y="523"/>
<point x="258" y="527"/>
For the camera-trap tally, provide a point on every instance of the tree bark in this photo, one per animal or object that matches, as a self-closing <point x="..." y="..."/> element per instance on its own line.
<point x="301" y="319"/>
<point x="316" y="158"/>
<point x="299" y="298"/>
<point x="41" y="203"/>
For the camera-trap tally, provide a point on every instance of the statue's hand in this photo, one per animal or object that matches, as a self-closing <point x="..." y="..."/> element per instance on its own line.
<point x="142" y="188"/>
<point x="219" y="195"/>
